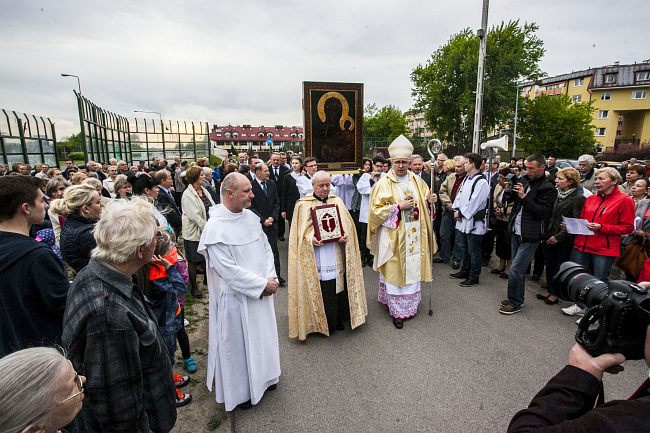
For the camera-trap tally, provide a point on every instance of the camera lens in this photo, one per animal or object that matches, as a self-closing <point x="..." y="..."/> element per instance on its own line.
<point x="573" y="282"/>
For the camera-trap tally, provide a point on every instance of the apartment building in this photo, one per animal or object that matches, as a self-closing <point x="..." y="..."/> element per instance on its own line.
<point x="417" y="125"/>
<point x="620" y="98"/>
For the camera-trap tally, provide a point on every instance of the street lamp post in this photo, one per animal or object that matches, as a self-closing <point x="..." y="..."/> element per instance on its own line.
<point x="150" y="112"/>
<point x="478" y="109"/>
<point x="78" y="80"/>
<point x="514" y="133"/>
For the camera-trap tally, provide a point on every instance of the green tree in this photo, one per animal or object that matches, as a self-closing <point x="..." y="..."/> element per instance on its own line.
<point x="555" y="125"/>
<point x="383" y="125"/>
<point x="445" y="87"/>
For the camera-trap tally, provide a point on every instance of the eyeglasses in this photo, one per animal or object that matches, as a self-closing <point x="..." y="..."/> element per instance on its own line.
<point x="80" y="387"/>
<point x="401" y="162"/>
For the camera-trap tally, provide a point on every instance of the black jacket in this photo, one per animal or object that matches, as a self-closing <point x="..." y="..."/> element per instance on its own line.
<point x="34" y="288"/>
<point x="170" y="210"/>
<point x="77" y="241"/>
<point x="537" y="207"/>
<point x="280" y="178"/>
<point x="266" y="205"/>
<point x="566" y="404"/>
<point x="289" y="196"/>
<point x="569" y="207"/>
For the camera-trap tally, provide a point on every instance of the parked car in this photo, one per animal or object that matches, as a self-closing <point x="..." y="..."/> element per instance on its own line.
<point x="566" y="163"/>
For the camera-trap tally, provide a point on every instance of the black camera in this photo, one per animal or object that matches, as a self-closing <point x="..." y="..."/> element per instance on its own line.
<point x="616" y="314"/>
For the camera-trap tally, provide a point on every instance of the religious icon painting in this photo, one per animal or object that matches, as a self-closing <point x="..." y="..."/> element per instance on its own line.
<point x="333" y="115"/>
<point x="326" y="220"/>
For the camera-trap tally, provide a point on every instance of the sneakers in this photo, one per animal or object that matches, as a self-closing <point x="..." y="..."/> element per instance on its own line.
<point x="190" y="365"/>
<point x="181" y="381"/>
<point x="508" y="309"/>
<point x="458" y="275"/>
<point x="469" y="282"/>
<point x="505" y="302"/>
<point x="573" y="310"/>
<point x="182" y="398"/>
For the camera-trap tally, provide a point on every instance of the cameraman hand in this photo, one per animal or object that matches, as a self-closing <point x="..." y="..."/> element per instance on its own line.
<point x="520" y="190"/>
<point x="579" y="357"/>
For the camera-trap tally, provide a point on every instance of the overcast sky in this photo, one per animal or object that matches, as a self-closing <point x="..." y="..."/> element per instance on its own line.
<point x="244" y="61"/>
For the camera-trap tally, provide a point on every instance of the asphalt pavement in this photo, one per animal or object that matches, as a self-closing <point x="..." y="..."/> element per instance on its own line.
<point x="467" y="368"/>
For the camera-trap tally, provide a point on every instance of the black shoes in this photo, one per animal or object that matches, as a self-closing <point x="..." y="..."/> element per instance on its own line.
<point x="438" y="260"/>
<point x="469" y="282"/>
<point x="458" y="275"/>
<point x="455" y="266"/>
<point x="281" y="238"/>
<point x="281" y="281"/>
<point x="399" y="323"/>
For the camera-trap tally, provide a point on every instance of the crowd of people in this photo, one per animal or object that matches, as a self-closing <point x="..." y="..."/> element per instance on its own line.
<point x="97" y="259"/>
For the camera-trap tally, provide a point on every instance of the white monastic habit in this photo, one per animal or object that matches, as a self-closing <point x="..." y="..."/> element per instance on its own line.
<point x="305" y="188"/>
<point x="344" y="188"/>
<point x="243" y="352"/>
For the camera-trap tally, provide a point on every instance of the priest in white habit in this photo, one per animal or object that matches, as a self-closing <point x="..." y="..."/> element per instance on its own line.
<point x="399" y="234"/>
<point x="325" y="279"/>
<point x="243" y="352"/>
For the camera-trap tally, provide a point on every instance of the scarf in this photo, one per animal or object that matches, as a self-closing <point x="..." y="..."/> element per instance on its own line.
<point x="564" y="194"/>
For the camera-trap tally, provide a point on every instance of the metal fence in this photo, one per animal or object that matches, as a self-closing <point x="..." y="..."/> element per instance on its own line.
<point x="27" y="138"/>
<point x="109" y="135"/>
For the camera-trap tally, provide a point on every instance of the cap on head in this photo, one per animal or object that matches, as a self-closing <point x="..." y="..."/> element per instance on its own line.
<point x="401" y="147"/>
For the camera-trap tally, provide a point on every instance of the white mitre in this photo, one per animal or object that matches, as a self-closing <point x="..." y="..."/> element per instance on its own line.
<point x="401" y="147"/>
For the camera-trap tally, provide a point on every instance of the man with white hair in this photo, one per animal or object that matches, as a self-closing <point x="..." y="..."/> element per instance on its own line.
<point x="243" y="351"/>
<point x="325" y="278"/>
<point x="112" y="335"/>
<point x="586" y="167"/>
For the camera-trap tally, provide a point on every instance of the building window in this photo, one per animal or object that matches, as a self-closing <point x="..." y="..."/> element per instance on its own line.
<point x="578" y="82"/>
<point x="610" y="78"/>
<point x="603" y="114"/>
<point x="638" y="94"/>
<point x="600" y="132"/>
<point x="576" y="98"/>
<point x="606" y="96"/>
<point x="643" y="76"/>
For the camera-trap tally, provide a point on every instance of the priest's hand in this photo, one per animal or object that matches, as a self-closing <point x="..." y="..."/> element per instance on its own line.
<point x="283" y="215"/>
<point x="433" y="197"/>
<point x="271" y="285"/>
<point x="316" y="242"/>
<point x="406" y="204"/>
<point x="343" y="239"/>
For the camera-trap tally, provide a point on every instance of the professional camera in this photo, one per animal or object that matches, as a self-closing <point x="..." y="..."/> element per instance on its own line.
<point x="617" y="314"/>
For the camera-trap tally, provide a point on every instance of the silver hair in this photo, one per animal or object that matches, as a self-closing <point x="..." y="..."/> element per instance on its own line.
<point x="589" y="159"/>
<point x="613" y="174"/>
<point x="94" y="182"/>
<point x="28" y="387"/>
<point x="125" y="225"/>
<point x="459" y="158"/>
<point x="207" y="170"/>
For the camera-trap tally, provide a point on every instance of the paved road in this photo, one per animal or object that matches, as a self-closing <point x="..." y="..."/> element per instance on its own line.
<point x="465" y="369"/>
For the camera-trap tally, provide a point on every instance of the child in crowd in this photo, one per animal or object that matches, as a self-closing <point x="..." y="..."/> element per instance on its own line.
<point x="165" y="283"/>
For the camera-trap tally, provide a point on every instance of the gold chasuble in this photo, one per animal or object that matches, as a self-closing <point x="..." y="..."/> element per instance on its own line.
<point x="391" y="257"/>
<point x="306" y="309"/>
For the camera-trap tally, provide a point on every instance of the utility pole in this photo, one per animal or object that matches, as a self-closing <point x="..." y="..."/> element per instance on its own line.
<point x="478" y="111"/>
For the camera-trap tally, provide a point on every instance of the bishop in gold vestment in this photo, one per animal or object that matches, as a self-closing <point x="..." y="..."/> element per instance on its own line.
<point x="399" y="234"/>
<point x="325" y="280"/>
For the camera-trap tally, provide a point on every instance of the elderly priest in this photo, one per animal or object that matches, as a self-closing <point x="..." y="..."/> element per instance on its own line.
<point x="325" y="278"/>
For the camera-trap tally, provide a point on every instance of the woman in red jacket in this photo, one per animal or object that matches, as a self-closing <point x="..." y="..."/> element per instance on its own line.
<point x="611" y="216"/>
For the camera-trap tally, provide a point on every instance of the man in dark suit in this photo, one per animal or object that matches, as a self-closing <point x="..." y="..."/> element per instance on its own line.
<point x="166" y="200"/>
<point x="277" y="173"/>
<point x="266" y="205"/>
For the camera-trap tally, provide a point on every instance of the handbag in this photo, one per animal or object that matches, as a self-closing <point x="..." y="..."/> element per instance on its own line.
<point x="633" y="257"/>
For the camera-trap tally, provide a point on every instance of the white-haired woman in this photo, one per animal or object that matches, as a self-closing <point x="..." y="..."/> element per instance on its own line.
<point x="39" y="391"/>
<point x="111" y="333"/>
<point x="82" y="206"/>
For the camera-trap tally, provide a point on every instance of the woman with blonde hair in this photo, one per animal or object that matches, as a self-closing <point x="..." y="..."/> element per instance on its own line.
<point x="82" y="206"/>
<point x="39" y="391"/>
<point x="559" y="243"/>
<point x="195" y="203"/>
<point x="78" y="177"/>
<point x="122" y="187"/>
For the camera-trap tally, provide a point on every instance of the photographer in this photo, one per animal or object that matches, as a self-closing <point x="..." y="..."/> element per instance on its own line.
<point x="534" y="197"/>
<point x="566" y="403"/>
